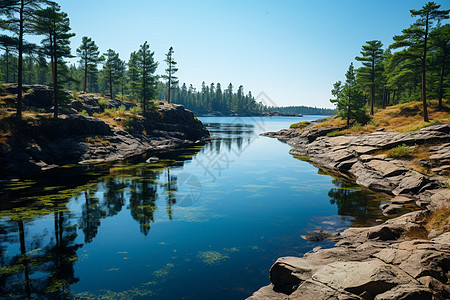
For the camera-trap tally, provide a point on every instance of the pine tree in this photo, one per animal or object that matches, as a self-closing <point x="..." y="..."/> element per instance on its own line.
<point x="171" y="69"/>
<point x="439" y="41"/>
<point x="19" y="13"/>
<point x="133" y="75"/>
<point x="147" y="67"/>
<point x="112" y="69"/>
<point x="371" y="56"/>
<point x="415" y="40"/>
<point x="349" y="99"/>
<point x="55" y="26"/>
<point x="89" y="57"/>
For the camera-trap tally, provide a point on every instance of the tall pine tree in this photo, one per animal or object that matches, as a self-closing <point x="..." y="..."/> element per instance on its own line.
<point x="371" y="56"/>
<point x="147" y="67"/>
<point x="171" y="70"/>
<point x="89" y="57"/>
<point x="55" y="26"/>
<point x="19" y="14"/>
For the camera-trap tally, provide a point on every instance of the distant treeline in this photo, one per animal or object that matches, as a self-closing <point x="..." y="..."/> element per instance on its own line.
<point x="212" y="99"/>
<point x="305" y="110"/>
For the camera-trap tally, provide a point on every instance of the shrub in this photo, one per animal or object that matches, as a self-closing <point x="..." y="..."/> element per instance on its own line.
<point x="401" y="151"/>
<point x="335" y="133"/>
<point x="84" y="113"/>
<point x="29" y="91"/>
<point x="116" y="112"/>
<point x="136" y="110"/>
<point x="129" y="124"/>
<point x="74" y="95"/>
<point x="300" y="124"/>
<point x="103" y="103"/>
<point x="97" y="139"/>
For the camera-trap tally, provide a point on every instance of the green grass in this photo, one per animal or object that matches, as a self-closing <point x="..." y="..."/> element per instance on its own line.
<point x="401" y="151"/>
<point x="335" y="133"/>
<point x="300" y="124"/>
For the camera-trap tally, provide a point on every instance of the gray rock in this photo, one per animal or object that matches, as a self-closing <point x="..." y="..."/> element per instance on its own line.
<point x="406" y="292"/>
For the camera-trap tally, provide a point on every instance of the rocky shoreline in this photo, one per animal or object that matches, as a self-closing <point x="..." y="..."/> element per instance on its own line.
<point x="41" y="143"/>
<point x="399" y="259"/>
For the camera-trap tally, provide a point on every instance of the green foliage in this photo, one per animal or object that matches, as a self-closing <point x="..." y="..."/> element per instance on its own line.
<point x="129" y="123"/>
<point x="401" y="151"/>
<point x="103" y="103"/>
<point x="300" y="124"/>
<point x="121" y="112"/>
<point x="84" y="113"/>
<point x="136" y="110"/>
<point x="147" y="67"/>
<point x="335" y="133"/>
<point x="89" y="58"/>
<point x="349" y="99"/>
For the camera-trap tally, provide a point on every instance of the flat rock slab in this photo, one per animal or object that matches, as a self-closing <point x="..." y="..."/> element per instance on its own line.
<point x="373" y="277"/>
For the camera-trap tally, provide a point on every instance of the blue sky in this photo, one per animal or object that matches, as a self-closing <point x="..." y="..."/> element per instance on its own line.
<point x="293" y="51"/>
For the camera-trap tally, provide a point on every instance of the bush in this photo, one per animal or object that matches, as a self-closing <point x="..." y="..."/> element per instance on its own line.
<point x="84" y="113"/>
<point x="116" y="112"/>
<point x="300" y="124"/>
<point x="128" y="124"/>
<point x="401" y="151"/>
<point x="136" y="110"/>
<point x="103" y="103"/>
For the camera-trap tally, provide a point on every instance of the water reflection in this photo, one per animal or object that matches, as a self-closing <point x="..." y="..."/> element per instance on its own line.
<point x="355" y="202"/>
<point x="64" y="233"/>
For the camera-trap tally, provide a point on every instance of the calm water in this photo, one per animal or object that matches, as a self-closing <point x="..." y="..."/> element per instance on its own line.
<point x="202" y="223"/>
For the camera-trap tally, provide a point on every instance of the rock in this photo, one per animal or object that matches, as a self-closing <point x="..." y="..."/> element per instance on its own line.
<point x="319" y="235"/>
<point x="401" y="200"/>
<point x="392" y="209"/>
<point x="410" y="184"/>
<point x="118" y="119"/>
<point x="406" y="292"/>
<point x="384" y="233"/>
<point x="387" y="169"/>
<point x="373" y="277"/>
<point x="152" y="160"/>
<point x="435" y="285"/>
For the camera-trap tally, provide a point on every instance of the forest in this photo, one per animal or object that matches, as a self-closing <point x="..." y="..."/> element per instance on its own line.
<point x="134" y="80"/>
<point x="413" y="68"/>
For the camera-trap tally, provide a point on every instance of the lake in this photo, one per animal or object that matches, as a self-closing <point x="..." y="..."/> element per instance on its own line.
<point x="201" y="223"/>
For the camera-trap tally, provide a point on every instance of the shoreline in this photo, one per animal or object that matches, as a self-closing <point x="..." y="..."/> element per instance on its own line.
<point x="398" y="259"/>
<point x="74" y="139"/>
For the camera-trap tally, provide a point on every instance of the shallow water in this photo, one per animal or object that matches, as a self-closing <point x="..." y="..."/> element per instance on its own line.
<point x="202" y="223"/>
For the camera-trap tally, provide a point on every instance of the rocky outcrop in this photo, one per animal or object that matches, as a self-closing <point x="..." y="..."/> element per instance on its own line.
<point x="367" y="263"/>
<point x="387" y="261"/>
<point x="42" y="144"/>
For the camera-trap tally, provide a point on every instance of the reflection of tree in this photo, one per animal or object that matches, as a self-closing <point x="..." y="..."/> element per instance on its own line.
<point x="38" y="270"/>
<point x="142" y="200"/>
<point x="353" y="201"/>
<point x="91" y="214"/>
<point x="171" y="188"/>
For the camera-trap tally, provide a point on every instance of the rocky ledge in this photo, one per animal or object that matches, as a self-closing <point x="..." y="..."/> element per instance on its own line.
<point x="398" y="259"/>
<point x="41" y="144"/>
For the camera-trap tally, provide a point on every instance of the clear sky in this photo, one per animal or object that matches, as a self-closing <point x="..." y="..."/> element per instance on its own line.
<point x="293" y="51"/>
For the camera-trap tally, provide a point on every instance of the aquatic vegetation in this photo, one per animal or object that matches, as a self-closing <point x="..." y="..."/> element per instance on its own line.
<point x="164" y="271"/>
<point x="211" y="257"/>
<point x="108" y="294"/>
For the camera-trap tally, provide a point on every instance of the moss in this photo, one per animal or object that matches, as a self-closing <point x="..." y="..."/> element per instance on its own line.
<point x="300" y="124"/>
<point x="303" y="158"/>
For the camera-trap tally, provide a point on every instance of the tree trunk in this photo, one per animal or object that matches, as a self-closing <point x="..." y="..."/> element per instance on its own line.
<point x="85" y="73"/>
<point x="20" y="61"/>
<point x="55" y="79"/>
<point x="23" y="252"/>
<point x="383" y="104"/>
<point x="7" y="64"/>
<point x="424" y="69"/>
<point x="441" y="80"/>
<point x="110" y="84"/>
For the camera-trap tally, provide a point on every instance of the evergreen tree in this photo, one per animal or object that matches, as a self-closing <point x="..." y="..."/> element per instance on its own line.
<point x="349" y="99"/>
<point x="371" y="56"/>
<point x="8" y="44"/>
<point x="147" y="67"/>
<point x="112" y="69"/>
<point x="55" y="26"/>
<point x="440" y="42"/>
<point x="171" y="69"/>
<point x="133" y="75"/>
<point x="89" y="57"/>
<point x="415" y="40"/>
<point x="19" y="13"/>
